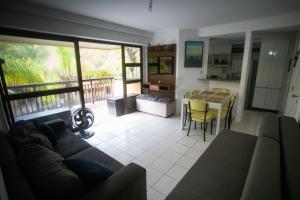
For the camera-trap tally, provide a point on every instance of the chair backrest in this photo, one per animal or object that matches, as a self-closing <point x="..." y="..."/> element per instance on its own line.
<point x="195" y="92"/>
<point x="220" y="90"/>
<point x="232" y="100"/>
<point x="187" y="94"/>
<point x="199" y="106"/>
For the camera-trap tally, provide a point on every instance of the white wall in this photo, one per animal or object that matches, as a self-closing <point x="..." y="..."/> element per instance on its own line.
<point x="35" y="18"/>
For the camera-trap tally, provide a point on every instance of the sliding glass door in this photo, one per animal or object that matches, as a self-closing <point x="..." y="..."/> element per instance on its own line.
<point x="44" y="74"/>
<point x="40" y="76"/>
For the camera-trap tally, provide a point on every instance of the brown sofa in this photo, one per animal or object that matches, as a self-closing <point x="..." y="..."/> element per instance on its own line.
<point x="248" y="167"/>
<point x="127" y="182"/>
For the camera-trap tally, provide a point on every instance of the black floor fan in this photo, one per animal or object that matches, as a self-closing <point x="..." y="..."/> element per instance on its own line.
<point x="83" y="118"/>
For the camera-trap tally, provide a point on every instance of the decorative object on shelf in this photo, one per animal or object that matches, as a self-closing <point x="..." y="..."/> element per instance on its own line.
<point x="193" y="53"/>
<point x="83" y="118"/>
<point x="162" y="48"/>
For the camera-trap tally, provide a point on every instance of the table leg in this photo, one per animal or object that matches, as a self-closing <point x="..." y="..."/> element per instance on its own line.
<point x="218" y="121"/>
<point x="182" y="115"/>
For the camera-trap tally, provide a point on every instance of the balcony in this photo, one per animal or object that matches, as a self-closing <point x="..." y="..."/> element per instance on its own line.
<point x="96" y="91"/>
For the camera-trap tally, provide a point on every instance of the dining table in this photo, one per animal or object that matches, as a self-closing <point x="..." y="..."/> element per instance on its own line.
<point x="215" y="100"/>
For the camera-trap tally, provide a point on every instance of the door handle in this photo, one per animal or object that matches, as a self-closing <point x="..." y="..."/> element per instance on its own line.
<point x="294" y="95"/>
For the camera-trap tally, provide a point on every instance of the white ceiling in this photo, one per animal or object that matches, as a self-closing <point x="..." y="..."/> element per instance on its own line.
<point x="173" y="13"/>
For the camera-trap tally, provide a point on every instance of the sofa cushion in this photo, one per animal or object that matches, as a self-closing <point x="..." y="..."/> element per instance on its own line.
<point x="50" y="178"/>
<point x="16" y="183"/>
<point x="23" y="132"/>
<point x="220" y="172"/>
<point x="69" y="144"/>
<point x="89" y="171"/>
<point x="49" y="132"/>
<point x="92" y="153"/>
<point x="264" y="177"/>
<point x="290" y="148"/>
<point x="269" y="126"/>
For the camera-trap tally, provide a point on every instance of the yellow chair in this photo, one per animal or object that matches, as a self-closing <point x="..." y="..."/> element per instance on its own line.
<point x="187" y="94"/>
<point x="199" y="113"/>
<point x="194" y="92"/>
<point x="232" y="100"/>
<point x="220" y="90"/>
<point x="224" y="112"/>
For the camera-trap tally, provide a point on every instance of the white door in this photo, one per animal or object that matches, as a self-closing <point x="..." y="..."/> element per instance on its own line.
<point x="271" y="99"/>
<point x="259" y="98"/>
<point x="264" y="64"/>
<point x="279" y="63"/>
<point x="294" y="92"/>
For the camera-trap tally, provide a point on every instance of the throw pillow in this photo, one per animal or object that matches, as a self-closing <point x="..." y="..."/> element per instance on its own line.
<point x="49" y="132"/>
<point x="88" y="170"/>
<point x="50" y="178"/>
<point x="24" y="132"/>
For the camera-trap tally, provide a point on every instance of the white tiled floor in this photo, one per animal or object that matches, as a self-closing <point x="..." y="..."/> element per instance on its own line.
<point x="159" y="145"/>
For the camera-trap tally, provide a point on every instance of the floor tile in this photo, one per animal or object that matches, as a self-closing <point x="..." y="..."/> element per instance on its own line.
<point x="153" y="176"/>
<point x="180" y="148"/>
<point x="147" y="158"/>
<point x="177" y="172"/>
<point x="154" y="195"/>
<point x="194" y="153"/>
<point x="171" y="155"/>
<point x="162" y="165"/>
<point x="186" y="162"/>
<point x="124" y="158"/>
<point x="134" y="151"/>
<point x="165" y="185"/>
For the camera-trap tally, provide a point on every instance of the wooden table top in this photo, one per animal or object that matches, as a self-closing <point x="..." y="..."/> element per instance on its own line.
<point x="210" y="96"/>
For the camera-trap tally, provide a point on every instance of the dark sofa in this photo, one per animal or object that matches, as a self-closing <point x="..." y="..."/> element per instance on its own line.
<point x="242" y="166"/>
<point x="127" y="182"/>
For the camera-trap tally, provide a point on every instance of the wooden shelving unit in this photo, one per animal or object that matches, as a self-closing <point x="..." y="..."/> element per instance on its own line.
<point x="162" y="84"/>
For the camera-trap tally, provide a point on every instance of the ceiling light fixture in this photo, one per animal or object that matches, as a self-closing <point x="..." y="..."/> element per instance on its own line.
<point x="150" y="6"/>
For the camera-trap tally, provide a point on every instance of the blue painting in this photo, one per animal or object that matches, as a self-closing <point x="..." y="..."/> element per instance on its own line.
<point x="193" y="53"/>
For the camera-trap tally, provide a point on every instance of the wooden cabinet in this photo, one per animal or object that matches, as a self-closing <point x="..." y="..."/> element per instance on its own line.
<point x="270" y="72"/>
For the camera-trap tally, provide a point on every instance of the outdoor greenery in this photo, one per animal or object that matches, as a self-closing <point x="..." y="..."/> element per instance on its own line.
<point x="31" y="63"/>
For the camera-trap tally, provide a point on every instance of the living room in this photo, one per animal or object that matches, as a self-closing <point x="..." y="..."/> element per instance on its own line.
<point x="140" y="123"/>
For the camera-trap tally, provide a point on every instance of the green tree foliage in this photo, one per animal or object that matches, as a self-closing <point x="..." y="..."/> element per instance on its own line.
<point x="67" y="69"/>
<point x="23" y="63"/>
<point x="132" y="55"/>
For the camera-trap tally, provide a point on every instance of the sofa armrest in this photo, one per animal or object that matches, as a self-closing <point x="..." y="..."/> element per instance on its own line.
<point x="58" y="125"/>
<point x="127" y="183"/>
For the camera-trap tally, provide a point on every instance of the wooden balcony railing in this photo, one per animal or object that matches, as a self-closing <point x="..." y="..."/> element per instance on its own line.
<point x="94" y="90"/>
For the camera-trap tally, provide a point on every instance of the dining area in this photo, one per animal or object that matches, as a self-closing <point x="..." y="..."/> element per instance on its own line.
<point x="206" y="109"/>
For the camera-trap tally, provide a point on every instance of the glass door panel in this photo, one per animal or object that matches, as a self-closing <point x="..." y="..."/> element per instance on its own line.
<point x="101" y="66"/>
<point x="132" y="69"/>
<point x="40" y="76"/>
